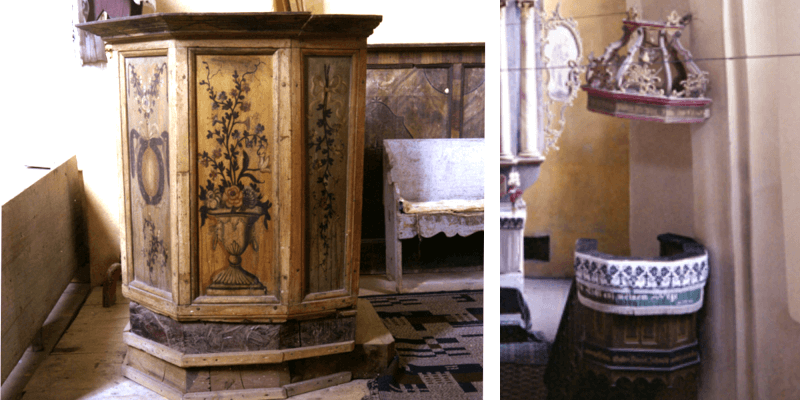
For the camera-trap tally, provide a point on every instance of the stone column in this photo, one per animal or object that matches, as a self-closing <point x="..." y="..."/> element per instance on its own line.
<point x="505" y="89"/>
<point x="529" y="117"/>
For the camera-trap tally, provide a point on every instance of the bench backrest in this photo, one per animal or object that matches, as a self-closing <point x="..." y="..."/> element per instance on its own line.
<point x="435" y="169"/>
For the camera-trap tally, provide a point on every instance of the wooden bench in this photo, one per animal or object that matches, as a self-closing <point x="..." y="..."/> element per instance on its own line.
<point x="43" y="247"/>
<point x="430" y="186"/>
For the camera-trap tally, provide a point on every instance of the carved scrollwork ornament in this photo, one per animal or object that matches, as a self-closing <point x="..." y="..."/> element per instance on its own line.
<point x="85" y="10"/>
<point x="562" y="52"/>
<point x="109" y="51"/>
<point x="643" y="78"/>
<point x="673" y="19"/>
<point x="633" y="14"/>
<point x="648" y="74"/>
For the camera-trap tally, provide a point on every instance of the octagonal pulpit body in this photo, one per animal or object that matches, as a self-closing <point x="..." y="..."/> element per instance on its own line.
<point x="241" y="146"/>
<point x="637" y="318"/>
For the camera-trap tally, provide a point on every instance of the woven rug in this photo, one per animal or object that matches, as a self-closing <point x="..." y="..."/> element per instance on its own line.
<point x="439" y="341"/>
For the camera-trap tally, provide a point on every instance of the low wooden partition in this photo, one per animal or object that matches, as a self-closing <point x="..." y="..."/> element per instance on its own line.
<point x="43" y="248"/>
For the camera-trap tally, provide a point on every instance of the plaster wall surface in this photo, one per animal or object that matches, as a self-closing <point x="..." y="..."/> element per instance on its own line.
<point x="410" y="21"/>
<point x="661" y="184"/>
<point x="55" y="108"/>
<point x="786" y="104"/>
<point x="173" y="6"/>
<point x="660" y="162"/>
<point x="715" y="186"/>
<point x="744" y="188"/>
<point x="772" y="109"/>
<point x="583" y="187"/>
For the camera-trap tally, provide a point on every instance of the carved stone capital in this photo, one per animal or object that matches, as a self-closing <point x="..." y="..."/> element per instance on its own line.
<point x="525" y="7"/>
<point x="512" y="223"/>
<point x="109" y="51"/>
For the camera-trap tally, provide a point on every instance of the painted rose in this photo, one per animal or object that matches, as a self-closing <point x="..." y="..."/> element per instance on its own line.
<point x="213" y="199"/>
<point x="232" y="196"/>
<point x="250" y="197"/>
<point x="234" y="170"/>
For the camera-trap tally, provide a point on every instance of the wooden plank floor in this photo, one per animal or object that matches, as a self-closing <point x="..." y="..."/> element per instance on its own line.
<point x="86" y="361"/>
<point x="85" y="364"/>
<point x="55" y="325"/>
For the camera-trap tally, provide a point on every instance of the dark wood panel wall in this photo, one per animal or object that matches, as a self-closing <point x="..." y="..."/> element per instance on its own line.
<point x="424" y="91"/>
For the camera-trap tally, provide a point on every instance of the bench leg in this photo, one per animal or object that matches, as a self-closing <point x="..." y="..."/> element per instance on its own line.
<point x="394" y="261"/>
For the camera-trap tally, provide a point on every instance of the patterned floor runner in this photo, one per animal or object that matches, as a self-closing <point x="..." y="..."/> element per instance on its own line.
<point x="439" y="341"/>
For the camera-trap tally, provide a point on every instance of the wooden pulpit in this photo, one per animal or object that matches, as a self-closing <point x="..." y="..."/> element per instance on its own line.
<point x="241" y="145"/>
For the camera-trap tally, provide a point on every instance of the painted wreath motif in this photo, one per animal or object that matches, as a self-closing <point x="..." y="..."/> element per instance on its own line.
<point x="148" y="158"/>
<point x="147" y="143"/>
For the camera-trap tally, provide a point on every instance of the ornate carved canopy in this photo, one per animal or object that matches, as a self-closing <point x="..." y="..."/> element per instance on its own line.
<point x="655" y="78"/>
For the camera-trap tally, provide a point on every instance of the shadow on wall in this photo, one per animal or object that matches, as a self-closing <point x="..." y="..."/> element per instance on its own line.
<point x="102" y="236"/>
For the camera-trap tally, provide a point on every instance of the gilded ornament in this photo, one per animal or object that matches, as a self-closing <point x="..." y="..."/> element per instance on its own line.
<point x="648" y="61"/>
<point x="674" y="19"/>
<point x="643" y="78"/>
<point x="562" y="52"/>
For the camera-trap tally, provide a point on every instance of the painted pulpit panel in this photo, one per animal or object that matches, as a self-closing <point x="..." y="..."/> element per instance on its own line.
<point x="148" y="161"/>
<point x="328" y="86"/>
<point x="235" y="145"/>
<point x="474" y="98"/>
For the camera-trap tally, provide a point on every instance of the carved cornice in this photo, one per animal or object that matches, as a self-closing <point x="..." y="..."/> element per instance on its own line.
<point x="293" y="25"/>
<point x="512" y="223"/>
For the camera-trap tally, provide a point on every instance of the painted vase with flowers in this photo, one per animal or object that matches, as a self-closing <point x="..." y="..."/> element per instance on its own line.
<point x="231" y="201"/>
